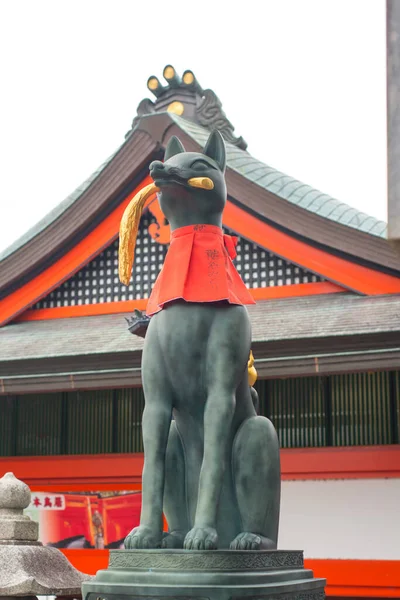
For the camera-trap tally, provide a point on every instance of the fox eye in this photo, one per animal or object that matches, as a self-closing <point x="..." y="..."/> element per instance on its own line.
<point x="200" y="165"/>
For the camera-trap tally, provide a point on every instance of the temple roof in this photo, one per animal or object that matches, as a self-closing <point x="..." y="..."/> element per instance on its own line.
<point x="238" y="159"/>
<point x="330" y="315"/>
<point x="294" y="221"/>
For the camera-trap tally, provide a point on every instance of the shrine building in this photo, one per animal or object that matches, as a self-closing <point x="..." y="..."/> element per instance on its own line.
<point x="326" y="342"/>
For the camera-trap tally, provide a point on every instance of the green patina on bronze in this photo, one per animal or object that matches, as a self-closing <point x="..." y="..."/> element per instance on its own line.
<point x="214" y="471"/>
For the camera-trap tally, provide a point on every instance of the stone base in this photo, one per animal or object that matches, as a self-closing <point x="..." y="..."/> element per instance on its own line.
<point x="204" y="575"/>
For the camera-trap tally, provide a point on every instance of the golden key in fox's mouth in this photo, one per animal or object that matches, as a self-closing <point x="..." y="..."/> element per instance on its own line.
<point x="205" y="183"/>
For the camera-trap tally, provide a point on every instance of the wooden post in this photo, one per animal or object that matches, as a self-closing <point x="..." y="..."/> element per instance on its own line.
<point x="393" y="118"/>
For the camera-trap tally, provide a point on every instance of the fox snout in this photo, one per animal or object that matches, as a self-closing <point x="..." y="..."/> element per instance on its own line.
<point x="160" y="171"/>
<point x="157" y="168"/>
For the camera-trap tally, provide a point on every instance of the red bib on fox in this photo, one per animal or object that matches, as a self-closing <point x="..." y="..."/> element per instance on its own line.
<point x="198" y="268"/>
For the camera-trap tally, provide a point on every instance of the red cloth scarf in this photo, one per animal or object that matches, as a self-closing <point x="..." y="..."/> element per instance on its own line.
<point x="198" y="268"/>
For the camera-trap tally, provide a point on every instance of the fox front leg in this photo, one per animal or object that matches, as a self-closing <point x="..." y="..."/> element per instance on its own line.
<point x="226" y="359"/>
<point x="156" y="425"/>
<point x="218" y="416"/>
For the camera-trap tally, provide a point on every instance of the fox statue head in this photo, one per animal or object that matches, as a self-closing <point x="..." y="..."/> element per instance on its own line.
<point x="191" y="191"/>
<point x="192" y="184"/>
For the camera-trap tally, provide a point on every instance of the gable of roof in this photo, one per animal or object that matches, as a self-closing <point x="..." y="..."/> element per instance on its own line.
<point x="333" y="268"/>
<point x="258" y="189"/>
<point x="270" y="194"/>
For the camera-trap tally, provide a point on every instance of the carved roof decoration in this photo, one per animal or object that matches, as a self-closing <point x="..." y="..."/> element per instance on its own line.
<point x="186" y="98"/>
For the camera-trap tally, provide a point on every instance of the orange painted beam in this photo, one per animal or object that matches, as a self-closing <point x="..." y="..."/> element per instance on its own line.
<point x="345" y="578"/>
<point x="296" y="290"/>
<point x="117" y="471"/>
<point x="94" y="487"/>
<point x="89" y="471"/>
<point x="128" y="306"/>
<point x="343" y="272"/>
<point x="348" y="462"/>
<point x="85" y="310"/>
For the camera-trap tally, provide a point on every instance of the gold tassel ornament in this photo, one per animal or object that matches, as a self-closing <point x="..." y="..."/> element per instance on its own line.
<point x="128" y="231"/>
<point x="129" y="226"/>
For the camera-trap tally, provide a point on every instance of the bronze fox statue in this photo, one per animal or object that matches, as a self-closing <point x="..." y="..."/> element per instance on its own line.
<point x="211" y="463"/>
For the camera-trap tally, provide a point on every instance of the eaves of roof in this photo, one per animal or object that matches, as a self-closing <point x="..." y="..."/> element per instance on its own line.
<point x="281" y="319"/>
<point x="305" y="335"/>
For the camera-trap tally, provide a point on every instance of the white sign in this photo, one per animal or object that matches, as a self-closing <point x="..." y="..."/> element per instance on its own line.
<point x="44" y="501"/>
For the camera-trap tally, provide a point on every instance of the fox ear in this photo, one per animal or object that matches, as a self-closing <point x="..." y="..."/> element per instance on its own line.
<point x="215" y="149"/>
<point x="174" y="146"/>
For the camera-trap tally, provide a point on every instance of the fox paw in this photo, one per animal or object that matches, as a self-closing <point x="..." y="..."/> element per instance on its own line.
<point x="201" y="538"/>
<point x="142" y="538"/>
<point x="252" y="541"/>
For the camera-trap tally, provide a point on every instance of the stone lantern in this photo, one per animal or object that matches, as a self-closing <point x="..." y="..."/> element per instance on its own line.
<point x="27" y="568"/>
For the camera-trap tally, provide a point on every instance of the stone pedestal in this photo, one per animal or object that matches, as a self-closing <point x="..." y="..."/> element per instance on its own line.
<point x="204" y="575"/>
<point x="27" y="568"/>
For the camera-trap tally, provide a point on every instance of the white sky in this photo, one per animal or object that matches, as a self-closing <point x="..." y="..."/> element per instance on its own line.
<point x="303" y="81"/>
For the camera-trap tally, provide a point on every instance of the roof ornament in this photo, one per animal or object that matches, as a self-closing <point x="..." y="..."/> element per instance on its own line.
<point x="185" y="97"/>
